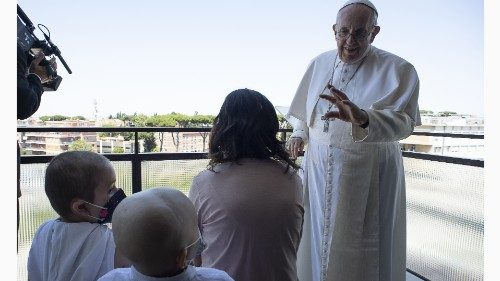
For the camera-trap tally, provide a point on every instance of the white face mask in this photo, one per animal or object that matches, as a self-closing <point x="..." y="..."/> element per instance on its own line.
<point x="103" y="213"/>
<point x="195" y="248"/>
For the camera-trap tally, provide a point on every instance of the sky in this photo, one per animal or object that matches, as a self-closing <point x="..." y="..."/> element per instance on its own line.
<point x="186" y="56"/>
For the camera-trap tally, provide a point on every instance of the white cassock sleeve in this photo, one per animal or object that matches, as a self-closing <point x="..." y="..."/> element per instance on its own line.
<point x="393" y="117"/>
<point x="300" y="130"/>
<point x="297" y="110"/>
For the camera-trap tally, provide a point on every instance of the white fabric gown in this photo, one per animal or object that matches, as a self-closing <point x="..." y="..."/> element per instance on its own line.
<point x="355" y="208"/>
<point x="63" y="251"/>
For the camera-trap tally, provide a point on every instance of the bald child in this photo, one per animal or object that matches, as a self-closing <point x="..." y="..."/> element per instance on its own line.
<point x="157" y="231"/>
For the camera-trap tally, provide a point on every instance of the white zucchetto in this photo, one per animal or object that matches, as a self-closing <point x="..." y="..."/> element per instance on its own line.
<point x="364" y="2"/>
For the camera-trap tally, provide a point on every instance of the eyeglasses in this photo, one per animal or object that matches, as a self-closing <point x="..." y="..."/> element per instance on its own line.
<point x="359" y="34"/>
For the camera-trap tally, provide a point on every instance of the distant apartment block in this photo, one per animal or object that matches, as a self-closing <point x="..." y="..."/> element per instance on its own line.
<point x="183" y="142"/>
<point x="113" y="145"/>
<point x="458" y="147"/>
<point x="51" y="143"/>
<point x="34" y="143"/>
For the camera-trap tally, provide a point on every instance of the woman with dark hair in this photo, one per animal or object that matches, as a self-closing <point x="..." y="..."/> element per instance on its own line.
<point x="249" y="200"/>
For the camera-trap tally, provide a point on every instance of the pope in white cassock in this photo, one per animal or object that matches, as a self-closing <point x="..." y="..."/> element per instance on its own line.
<point x="355" y="222"/>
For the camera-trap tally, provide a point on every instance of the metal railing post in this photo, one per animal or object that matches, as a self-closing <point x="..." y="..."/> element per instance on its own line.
<point x="136" y="166"/>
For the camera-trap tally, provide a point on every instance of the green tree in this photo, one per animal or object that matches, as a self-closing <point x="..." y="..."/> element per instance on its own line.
<point x="122" y="116"/>
<point x="426" y="112"/>
<point x="161" y="121"/>
<point x="81" y="145"/>
<point x="182" y="122"/>
<point x="118" y="149"/>
<point x="203" y="121"/>
<point x="447" y="113"/>
<point x="108" y="134"/>
<point x="149" y="141"/>
<point x="283" y="123"/>
<point x="138" y="120"/>
<point x="46" y="118"/>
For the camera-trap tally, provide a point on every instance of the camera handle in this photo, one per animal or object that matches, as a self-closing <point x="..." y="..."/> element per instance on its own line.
<point x="56" y="52"/>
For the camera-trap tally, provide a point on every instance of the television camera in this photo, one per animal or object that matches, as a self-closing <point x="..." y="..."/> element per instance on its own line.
<point x="29" y="43"/>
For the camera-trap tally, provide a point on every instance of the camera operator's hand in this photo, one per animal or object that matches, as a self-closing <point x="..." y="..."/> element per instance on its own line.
<point x="40" y="70"/>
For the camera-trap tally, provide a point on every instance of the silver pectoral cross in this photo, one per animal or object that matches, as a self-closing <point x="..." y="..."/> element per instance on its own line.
<point x="326" y="125"/>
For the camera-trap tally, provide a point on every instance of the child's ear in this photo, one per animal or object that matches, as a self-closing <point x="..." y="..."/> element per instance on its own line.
<point x="78" y="207"/>
<point x="181" y="258"/>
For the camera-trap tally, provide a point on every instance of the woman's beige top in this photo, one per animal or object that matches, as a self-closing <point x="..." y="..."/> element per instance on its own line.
<point x="250" y="215"/>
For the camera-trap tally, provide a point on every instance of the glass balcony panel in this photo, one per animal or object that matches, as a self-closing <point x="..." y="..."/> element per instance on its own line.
<point x="445" y="222"/>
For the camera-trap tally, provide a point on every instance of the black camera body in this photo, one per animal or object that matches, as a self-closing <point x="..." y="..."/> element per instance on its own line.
<point x="31" y="45"/>
<point x="25" y="38"/>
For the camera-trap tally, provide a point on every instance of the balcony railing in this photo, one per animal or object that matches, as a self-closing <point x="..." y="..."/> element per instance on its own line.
<point x="445" y="223"/>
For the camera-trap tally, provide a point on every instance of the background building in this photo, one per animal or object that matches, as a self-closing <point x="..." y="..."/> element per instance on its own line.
<point x="456" y="124"/>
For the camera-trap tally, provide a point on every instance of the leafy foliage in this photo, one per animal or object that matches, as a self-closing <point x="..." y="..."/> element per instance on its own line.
<point x="118" y="149"/>
<point x="53" y="118"/>
<point x="149" y="141"/>
<point x="172" y="119"/>
<point x="80" y="145"/>
<point x="46" y="118"/>
<point x="426" y="112"/>
<point x="447" y="113"/>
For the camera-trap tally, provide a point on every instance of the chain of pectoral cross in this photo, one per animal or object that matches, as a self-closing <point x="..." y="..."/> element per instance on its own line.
<point x="326" y="125"/>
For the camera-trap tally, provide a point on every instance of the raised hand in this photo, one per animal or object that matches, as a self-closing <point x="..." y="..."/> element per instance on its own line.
<point x="347" y="110"/>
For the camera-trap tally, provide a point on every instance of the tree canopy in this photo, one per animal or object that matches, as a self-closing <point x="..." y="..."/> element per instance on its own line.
<point x="80" y="145"/>
<point x="447" y="113"/>
<point x="46" y="118"/>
